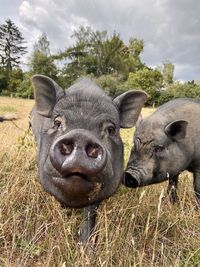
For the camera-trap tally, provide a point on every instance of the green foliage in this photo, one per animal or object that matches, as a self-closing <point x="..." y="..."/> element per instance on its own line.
<point x="167" y="70"/>
<point x="3" y="80"/>
<point x="16" y="77"/>
<point x="146" y="79"/>
<point x="96" y="53"/>
<point x="11" y="48"/>
<point x="42" y="45"/>
<point x="115" y="65"/>
<point x="41" y="62"/>
<point x="111" y="83"/>
<point x="25" y="89"/>
<point x="165" y="96"/>
<point x="177" y="89"/>
<point x="135" y="48"/>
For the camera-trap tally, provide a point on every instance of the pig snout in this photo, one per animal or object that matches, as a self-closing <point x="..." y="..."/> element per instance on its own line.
<point x="131" y="178"/>
<point x="78" y="151"/>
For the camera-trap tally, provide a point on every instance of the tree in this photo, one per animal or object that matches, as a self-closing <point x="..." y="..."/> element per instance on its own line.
<point x="42" y="45"/>
<point x="11" y="47"/>
<point x="41" y="61"/>
<point x="3" y="80"/>
<point x="168" y="72"/>
<point x="135" y="48"/>
<point x="25" y="89"/>
<point x="111" y="83"/>
<point x="147" y="79"/>
<point x="177" y="90"/>
<point x="96" y="53"/>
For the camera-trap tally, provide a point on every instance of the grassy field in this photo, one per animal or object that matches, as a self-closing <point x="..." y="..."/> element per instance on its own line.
<point x="134" y="227"/>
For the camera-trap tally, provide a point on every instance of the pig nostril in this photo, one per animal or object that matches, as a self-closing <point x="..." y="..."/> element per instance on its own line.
<point x="130" y="181"/>
<point x="66" y="148"/>
<point x="93" y="150"/>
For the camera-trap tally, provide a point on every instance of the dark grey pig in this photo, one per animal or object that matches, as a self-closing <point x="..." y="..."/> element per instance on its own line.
<point x="166" y="143"/>
<point x="80" y="152"/>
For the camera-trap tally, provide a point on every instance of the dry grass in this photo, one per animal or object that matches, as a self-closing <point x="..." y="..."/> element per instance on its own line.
<point x="135" y="227"/>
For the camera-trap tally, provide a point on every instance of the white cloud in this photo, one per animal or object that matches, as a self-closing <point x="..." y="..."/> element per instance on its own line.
<point x="33" y="15"/>
<point x="170" y="29"/>
<point x="52" y="18"/>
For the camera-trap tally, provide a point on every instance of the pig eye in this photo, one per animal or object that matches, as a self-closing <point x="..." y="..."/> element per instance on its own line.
<point x="159" y="149"/>
<point x="57" y="123"/>
<point x="111" y="130"/>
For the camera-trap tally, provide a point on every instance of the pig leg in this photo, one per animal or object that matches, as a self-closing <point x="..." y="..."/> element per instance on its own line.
<point x="171" y="190"/>
<point x="89" y="217"/>
<point x="197" y="185"/>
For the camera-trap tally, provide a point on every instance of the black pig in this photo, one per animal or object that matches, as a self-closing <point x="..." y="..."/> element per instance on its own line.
<point x="166" y="143"/>
<point x="80" y="152"/>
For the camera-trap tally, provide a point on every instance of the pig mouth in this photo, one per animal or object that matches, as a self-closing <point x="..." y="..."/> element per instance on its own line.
<point x="76" y="175"/>
<point x="77" y="189"/>
<point x="72" y="177"/>
<point x="131" y="179"/>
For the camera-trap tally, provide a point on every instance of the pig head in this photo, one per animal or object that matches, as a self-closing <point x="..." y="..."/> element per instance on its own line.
<point x="165" y="144"/>
<point x="80" y="152"/>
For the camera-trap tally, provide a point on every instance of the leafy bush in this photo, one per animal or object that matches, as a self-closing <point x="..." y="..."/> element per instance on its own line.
<point x="177" y="90"/>
<point x="25" y="89"/>
<point x="146" y="79"/>
<point x="3" y="82"/>
<point x="111" y="83"/>
<point x="10" y="87"/>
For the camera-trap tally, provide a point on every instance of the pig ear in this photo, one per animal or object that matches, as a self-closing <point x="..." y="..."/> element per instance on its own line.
<point x="129" y="105"/>
<point x="46" y="93"/>
<point x="176" y="129"/>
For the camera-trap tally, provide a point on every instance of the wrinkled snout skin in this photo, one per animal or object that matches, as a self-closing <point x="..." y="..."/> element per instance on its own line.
<point x="80" y="152"/>
<point x="166" y="143"/>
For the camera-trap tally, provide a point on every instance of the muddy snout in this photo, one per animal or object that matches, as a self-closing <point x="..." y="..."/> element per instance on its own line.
<point x="78" y="151"/>
<point x="131" y="178"/>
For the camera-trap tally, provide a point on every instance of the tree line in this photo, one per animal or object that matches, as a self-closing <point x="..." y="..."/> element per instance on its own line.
<point x="115" y="65"/>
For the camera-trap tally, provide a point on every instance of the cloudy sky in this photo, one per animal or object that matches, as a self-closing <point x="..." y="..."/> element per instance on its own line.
<point x="170" y="28"/>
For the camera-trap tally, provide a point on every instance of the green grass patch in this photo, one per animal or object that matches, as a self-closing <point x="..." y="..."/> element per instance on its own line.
<point x="7" y="108"/>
